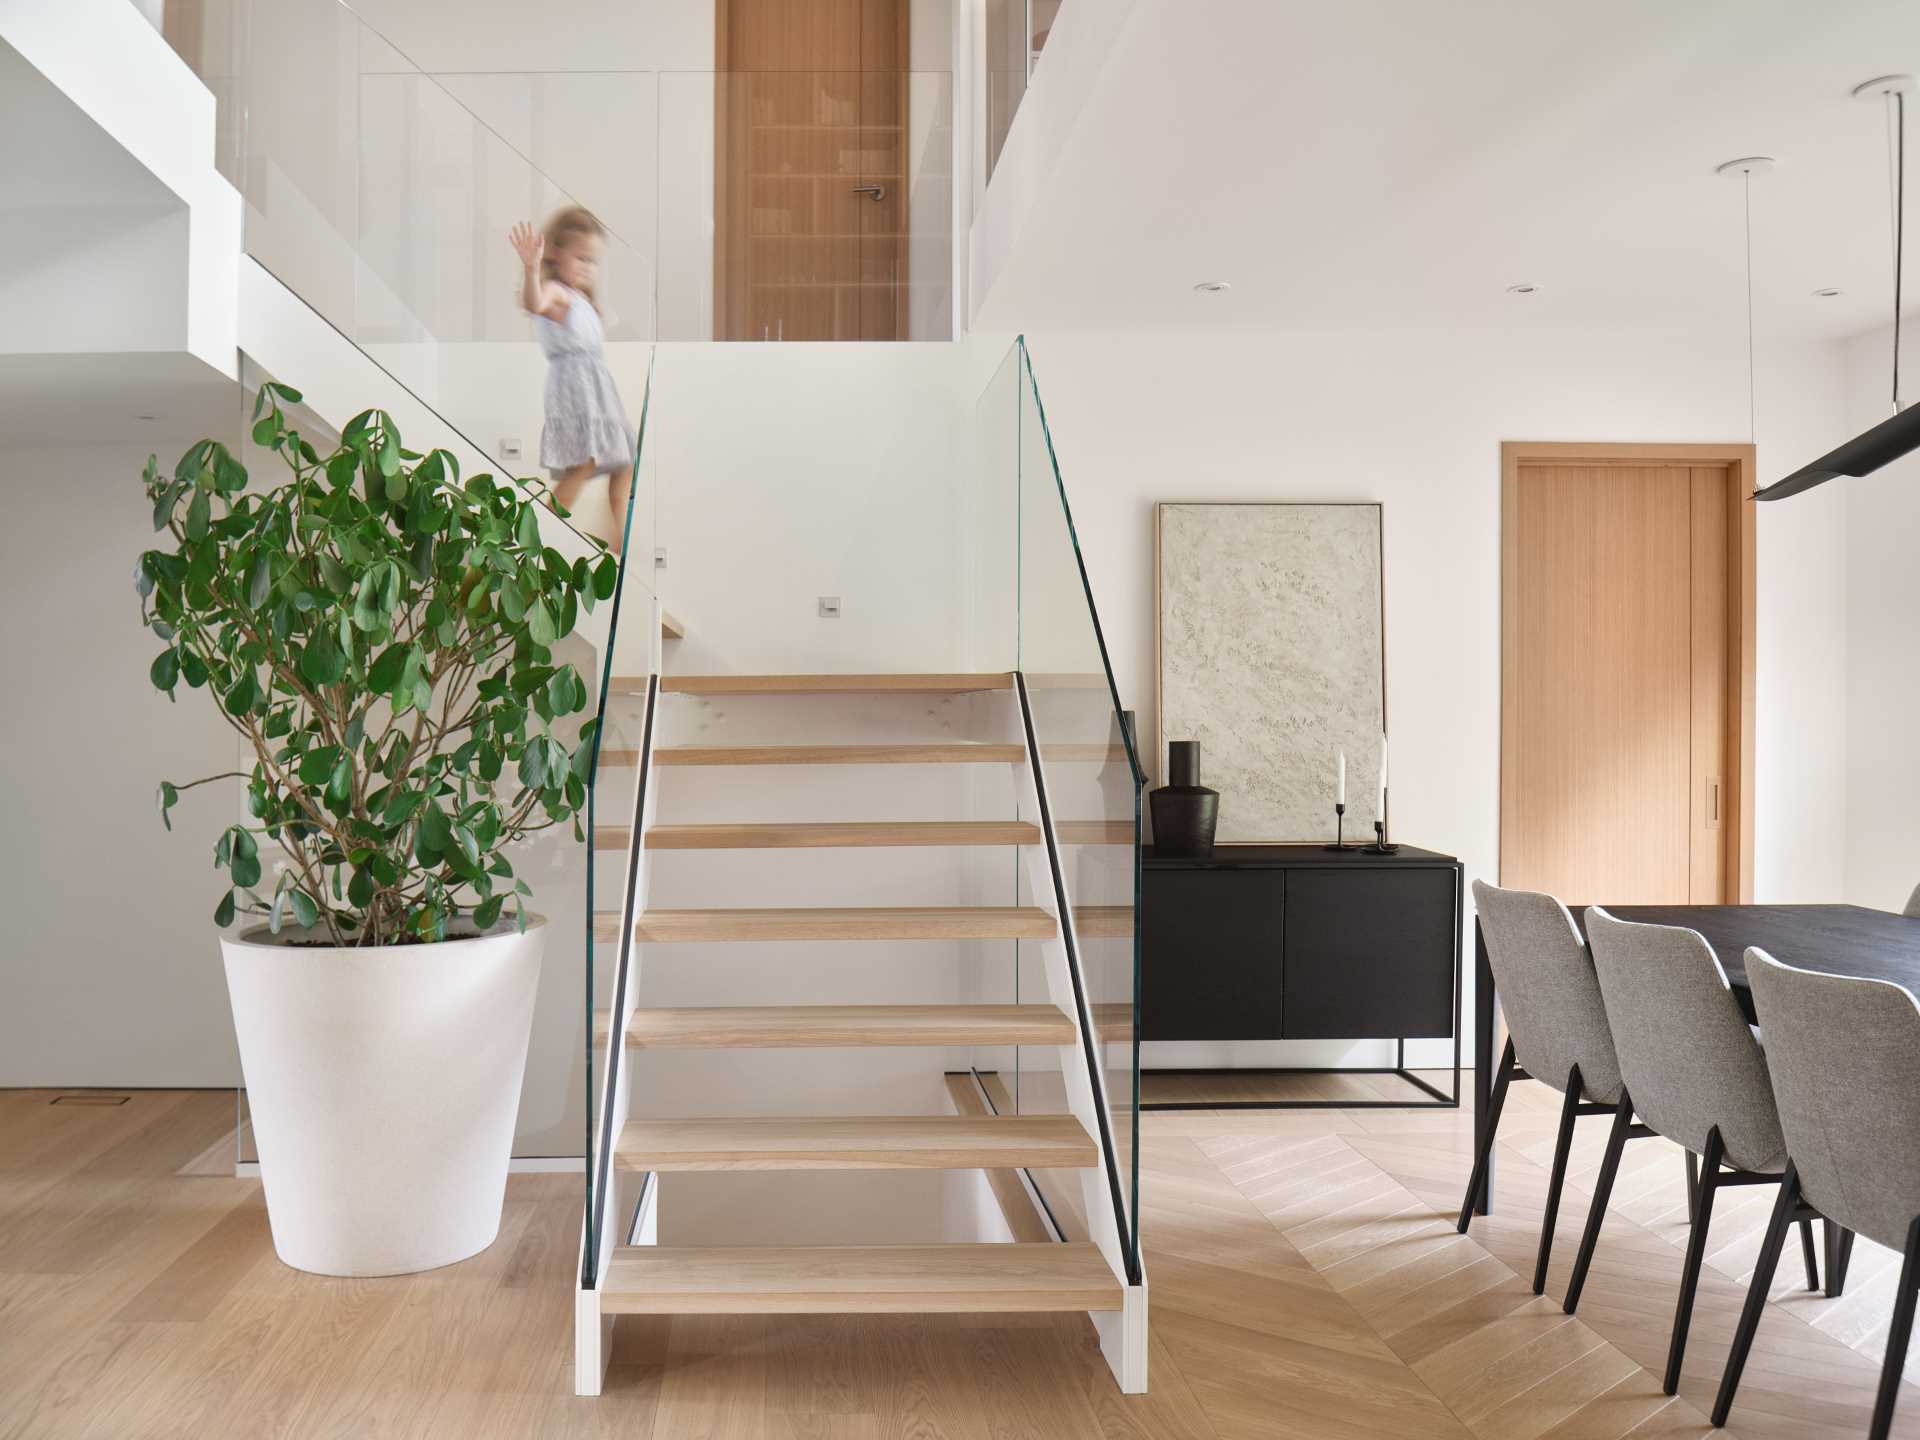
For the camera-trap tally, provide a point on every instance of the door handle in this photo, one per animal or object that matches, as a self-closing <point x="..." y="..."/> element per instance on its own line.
<point x="878" y="192"/>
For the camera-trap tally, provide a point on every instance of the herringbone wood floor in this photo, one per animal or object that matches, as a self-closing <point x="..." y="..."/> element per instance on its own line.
<point x="1306" y="1282"/>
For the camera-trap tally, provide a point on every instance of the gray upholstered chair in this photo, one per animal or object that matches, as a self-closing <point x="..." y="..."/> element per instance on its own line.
<point x="1695" y="1073"/>
<point x="1913" y="903"/>
<point x="1556" y="1030"/>
<point x="1845" y="1057"/>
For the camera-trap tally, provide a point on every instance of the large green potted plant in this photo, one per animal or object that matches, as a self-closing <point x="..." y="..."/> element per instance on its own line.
<point x="380" y="634"/>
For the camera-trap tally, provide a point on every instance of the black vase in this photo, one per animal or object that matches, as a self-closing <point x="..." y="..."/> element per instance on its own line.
<point x="1185" y="812"/>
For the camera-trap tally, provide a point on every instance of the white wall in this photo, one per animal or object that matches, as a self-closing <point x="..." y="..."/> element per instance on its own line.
<point x="1882" y="697"/>
<point x="1415" y="421"/>
<point x="111" y="972"/>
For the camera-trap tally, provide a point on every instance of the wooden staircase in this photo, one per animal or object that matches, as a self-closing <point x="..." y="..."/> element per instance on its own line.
<point x="1088" y="1274"/>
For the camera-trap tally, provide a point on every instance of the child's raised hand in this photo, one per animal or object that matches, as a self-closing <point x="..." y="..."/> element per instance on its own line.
<point x="528" y="243"/>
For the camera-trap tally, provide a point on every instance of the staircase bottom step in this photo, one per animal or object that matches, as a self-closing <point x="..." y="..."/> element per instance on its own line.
<point x="857" y="1279"/>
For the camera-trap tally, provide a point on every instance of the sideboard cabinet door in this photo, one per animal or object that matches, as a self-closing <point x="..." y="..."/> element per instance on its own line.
<point x="1369" y="952"/>
<point x="1210" y="952"/>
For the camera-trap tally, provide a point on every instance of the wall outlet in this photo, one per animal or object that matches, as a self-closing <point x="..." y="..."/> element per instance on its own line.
<point x="660" y="559"/>
<point x="829" y="607"/>
<point x="509" y="448"/>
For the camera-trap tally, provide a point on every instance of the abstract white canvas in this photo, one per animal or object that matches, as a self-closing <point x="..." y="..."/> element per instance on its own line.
<point x="1271" y="656"/>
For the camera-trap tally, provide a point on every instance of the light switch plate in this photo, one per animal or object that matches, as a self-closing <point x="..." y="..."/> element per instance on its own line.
<point x="509" y="448"/>
<point x="829" y="607"/>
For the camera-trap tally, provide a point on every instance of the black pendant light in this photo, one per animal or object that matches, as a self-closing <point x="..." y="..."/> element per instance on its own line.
<point x="1899" y="434"/>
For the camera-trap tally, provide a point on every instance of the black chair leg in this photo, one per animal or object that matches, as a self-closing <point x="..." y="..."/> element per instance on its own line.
<point x="1900" y="1331"/>
<point x="1769" y="1261"/>
<point x="1693" y="1181"/>
<point x="1602" y="1191"/>
<point x="1806" y="1255"/>
<point x="1696" y="1254"/>
<point x="1569" y="1110"/>
<point x="1495" y="1102"/>
<point x="1839" y="1255"/>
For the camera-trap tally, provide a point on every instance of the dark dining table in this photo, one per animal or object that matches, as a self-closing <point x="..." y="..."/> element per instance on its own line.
<point x="1835" y="939"/>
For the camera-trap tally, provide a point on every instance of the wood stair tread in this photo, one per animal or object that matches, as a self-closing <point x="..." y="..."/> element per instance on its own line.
<point x="745" y="1027"/>
<point x="840" y="834"/>
<point x="848" y="1279"/>
<point x="971" y="752"/>
<point x="864" y="684"/>
<point x="953" y="922"/>
<point x="856" y="1142"/>
<point x="863" y="833"/>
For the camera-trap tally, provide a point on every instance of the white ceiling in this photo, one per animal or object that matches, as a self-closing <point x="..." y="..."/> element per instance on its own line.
<point x="1396" y="163"/>
<point x="99" y="399"/>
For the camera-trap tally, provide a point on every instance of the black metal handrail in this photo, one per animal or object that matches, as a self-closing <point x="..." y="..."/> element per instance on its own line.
<point x="1089" y="1043"/>
<point x="616" y="1046"/>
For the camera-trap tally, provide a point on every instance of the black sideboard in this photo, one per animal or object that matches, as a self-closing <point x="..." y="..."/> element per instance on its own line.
<point x="1297" y="942"/>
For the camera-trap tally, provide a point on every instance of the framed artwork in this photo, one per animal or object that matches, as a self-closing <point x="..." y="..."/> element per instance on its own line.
<point x="1270" y="648"/>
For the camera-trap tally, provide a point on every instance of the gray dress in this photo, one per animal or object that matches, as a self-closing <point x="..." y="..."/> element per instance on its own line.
<point x="585" y="420"/>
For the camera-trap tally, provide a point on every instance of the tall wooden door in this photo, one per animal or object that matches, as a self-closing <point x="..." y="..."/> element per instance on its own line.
<point x="810" y="184"/>
<point x="1626" y="677"/>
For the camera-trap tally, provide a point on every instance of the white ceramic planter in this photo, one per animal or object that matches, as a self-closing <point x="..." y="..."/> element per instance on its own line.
<point x="383" y="1085"/>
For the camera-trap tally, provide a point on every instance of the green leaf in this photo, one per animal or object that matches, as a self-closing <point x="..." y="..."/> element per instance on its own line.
<point x="259" y="579"/>
<point x="316" y="765"/>
<point x="540" y="624"/>
<point x="244" y="692"/>
<point x="305" y="912"/>
<point x="527" y="531"/>
<point x="606" y="576"/>
<point x="384" y="674"/>
<point x="285" y="392"/>
<point x="533" y="766"/>
<point x="167" y="796"/>
<point x="336" y="578"/>
<point x="322" y="662"/>
<point x="165" y="671"/>
<point x="223" y="912"/>
<point x="199" y="513"/>
<point x="487" y="913"/>
<point x="245" y="869"/>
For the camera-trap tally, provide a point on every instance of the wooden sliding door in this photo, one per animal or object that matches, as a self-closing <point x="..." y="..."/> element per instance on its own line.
<point x="1627" y="672"/>
<point x="810" y="184"/>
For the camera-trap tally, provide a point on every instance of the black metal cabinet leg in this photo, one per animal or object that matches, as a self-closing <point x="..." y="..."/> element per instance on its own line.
<point x="1769" y="1261"/>
<point x="1486" y="1121"/>
<point x="1481" y="1196"/>
<point x="1602" y="1191"/>
<point x="1696" y="1253"/>
<point x="1898" y="1333"/>
<point x="1569" y="1111"/>
<point x="1806" y="1254"/>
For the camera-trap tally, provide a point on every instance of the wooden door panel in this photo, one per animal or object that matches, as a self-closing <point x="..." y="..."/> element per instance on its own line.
<point x="813" y="107"/>
<point x="1711" y="721"/>
<point x="1600" y="764"/>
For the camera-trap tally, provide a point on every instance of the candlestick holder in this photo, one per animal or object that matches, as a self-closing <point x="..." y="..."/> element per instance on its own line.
<point x="1381" y="845"/>
<point x="1339" y="830"/>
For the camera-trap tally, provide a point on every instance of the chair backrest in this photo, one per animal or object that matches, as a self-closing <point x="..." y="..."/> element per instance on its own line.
<point x="1845" y="1056"/>
<point x="1548" y="990"/>
<point x="1689" y="1059"/>
<point x="1913" y="903"/>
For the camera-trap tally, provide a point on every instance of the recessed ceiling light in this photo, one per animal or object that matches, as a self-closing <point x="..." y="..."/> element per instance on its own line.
<point x="1213" y="287"/>
<point x="1526" y="288"/>
<point x="1827" y="292"/>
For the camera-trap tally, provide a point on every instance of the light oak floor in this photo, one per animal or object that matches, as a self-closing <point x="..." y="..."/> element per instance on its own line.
<point x="1306" y="1282"/>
